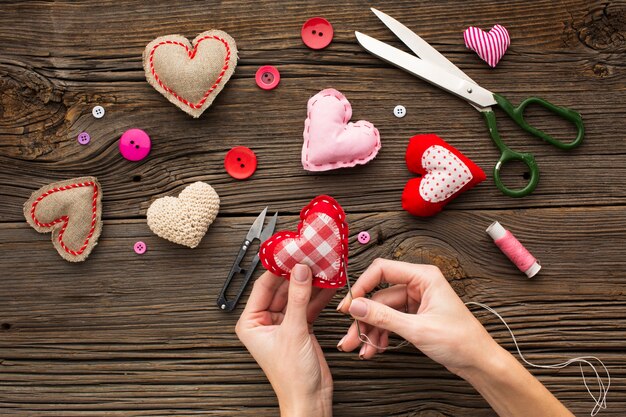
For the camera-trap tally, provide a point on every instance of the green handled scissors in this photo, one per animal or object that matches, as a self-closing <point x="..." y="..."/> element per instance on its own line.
<point x="433" y="67"/>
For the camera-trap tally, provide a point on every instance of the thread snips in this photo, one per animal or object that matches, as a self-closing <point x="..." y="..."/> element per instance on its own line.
<point x="258" y="232"/>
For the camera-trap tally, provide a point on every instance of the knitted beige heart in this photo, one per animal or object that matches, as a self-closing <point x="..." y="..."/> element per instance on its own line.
<point x="185" y="219"/>
<point x="190" y="75"/>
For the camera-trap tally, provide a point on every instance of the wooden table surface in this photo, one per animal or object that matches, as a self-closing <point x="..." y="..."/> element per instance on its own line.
<point x="122" y="334"/>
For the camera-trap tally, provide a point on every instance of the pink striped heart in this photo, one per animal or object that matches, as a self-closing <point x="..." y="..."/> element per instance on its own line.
<point x="490" y="46"/>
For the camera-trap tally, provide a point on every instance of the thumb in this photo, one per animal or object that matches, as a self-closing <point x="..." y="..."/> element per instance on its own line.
<point x="298" y="297"/>
<point x="383" y="317"/>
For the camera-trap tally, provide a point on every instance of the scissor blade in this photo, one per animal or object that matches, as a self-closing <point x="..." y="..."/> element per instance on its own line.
<point x="434" y="74"/>
<point x="255" y="229"/>
<point x="419" y="46"/>
<point x="269" y="228"/>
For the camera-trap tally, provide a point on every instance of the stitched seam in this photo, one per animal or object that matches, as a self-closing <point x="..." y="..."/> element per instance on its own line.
<point x="364" y="159"/>
<point x="191" y="53"/>
<point x="65" y="219"/>
<point x="337" y="214"/>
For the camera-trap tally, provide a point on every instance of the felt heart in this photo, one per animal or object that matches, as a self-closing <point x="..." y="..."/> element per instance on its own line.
<point x="321" y="242"/>
<point x="71" y="210"/>
<point x="329" y="140"/>
<point x="190" y="75"/>
<point x="186" y="219"/>
<point x="490" y="46"/>
<point x="445" y="173"/>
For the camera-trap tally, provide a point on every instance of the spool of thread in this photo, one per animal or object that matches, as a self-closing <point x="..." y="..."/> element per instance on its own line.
<point x="514" y="250"/>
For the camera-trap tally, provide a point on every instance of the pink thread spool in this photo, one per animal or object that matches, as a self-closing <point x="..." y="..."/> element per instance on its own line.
<point x="514" y="250"/>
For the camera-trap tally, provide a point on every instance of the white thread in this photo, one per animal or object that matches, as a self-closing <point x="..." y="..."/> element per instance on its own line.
<point x="600" y="400"/>
<point x="362" y="336"/>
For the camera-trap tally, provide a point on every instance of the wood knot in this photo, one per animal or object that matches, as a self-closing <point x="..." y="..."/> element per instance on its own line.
<point x="600" y="70"/>
<point x="32" y="110"/>
<point x="5" y="326"/>
<point x="433" y="253"/>
<point x="604" y="27"/>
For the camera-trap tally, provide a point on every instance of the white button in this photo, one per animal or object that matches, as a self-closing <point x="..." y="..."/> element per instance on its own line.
<point x="98" y="112"/>
<point x="399" y="111"/>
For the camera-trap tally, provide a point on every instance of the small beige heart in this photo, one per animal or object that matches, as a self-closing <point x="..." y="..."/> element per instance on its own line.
<point x="71" y="210"/>
<point x="190" y="75"/>
<point x="185" y="219"/>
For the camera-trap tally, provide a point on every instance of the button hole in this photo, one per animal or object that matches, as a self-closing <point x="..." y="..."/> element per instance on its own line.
<point x="242" y="165"/>
<point x="238" y="159"/>
<point x="313" y="32"/>
<point x="137" y="146"/>
<point x="320" y="34"/>
<point x="132" y="142"/>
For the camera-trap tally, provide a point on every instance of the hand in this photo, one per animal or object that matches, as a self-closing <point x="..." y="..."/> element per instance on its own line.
<point x="422" y="308"/>
<point x="276" y="327"/>
<point x="436" y="321"/>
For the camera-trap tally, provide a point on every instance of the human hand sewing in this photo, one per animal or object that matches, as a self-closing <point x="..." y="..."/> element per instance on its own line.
<point x="437" y="322"/>
<point x="276" y="328"/>
<point x="420" y="306"/>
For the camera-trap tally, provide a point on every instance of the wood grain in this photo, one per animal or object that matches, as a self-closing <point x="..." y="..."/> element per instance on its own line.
<point x="123" y="335"/>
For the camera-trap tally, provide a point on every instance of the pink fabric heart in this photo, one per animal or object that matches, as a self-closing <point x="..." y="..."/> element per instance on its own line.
<point x="490" y="46"/>
<point x="331" y="142"/>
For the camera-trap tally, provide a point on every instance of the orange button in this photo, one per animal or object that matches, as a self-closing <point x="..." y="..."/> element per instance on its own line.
<point x="240" y="162"/>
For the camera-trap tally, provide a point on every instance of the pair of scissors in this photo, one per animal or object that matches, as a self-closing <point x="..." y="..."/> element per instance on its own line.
<point x="431" y="66"/>
<point x="256" y="232"/>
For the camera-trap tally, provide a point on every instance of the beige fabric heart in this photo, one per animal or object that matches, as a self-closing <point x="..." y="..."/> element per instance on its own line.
<point x="190" y="75"/>
<point x="185" y="219"/>
<point x="71" y="211"/>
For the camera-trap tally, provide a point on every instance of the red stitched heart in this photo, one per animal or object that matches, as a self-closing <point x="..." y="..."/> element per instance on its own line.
<point x="71" y="210"/>
<point x="445" y="173"/>
<point x="321" y="242"/>
<point x="190" y="75"/>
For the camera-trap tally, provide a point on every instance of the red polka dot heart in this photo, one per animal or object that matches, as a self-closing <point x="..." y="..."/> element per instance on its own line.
<point x="445" y="173"/>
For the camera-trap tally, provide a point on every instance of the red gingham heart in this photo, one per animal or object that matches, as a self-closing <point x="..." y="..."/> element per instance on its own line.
<point x="321" y="242"/>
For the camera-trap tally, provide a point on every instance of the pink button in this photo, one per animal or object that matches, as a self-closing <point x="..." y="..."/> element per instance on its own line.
<point x="135" y="144"/>
<point x="317" y="33"/>
<point x="363" y="238"/>
<point x="267" y="77"/>
<point x="140" y="248"/>
<point x="84" y="138"/>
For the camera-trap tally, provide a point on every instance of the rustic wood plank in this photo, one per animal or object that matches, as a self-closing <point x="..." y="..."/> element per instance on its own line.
<point x="178" y="151"/>
<point x="140" y="341"/>
<point x="45" y="146"/>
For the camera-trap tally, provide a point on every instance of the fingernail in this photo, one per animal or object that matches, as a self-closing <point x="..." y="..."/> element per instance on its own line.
<point x="341" y="304"/>
<point x="362" y="352"/>
<point x="299" y="273"/>
<point x="358" y="308"/>
<point x="341" y="343"/>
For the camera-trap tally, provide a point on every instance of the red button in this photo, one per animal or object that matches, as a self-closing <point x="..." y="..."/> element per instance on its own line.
<point x="317" y="33"/>
<point x="240" y="162"/>
<point x="267" y="77"/>
<point x="135" y="144"/>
